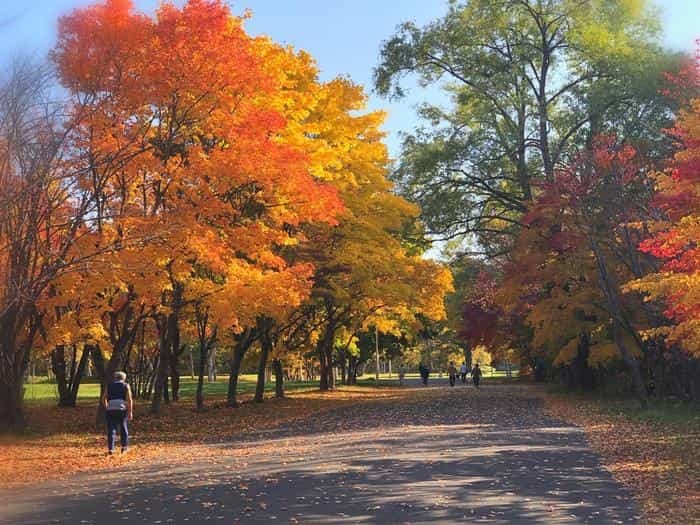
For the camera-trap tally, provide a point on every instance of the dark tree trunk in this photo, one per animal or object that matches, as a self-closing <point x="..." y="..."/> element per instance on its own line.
<point x="467" y="350"/>
<point x="265" y="349"/>
<point x="581" y="375"/>
<point x="330" y="370"/>
<point x="175" y="352"/>
<point x="203" y="355"/>
<point x="159" y="391"/>
<point x="174" y="378"/>
<point x="58" y="367"/>
<point x="242" y="343"/>
<point x="98" y="361"/>
<point x="68" y="380"/>
<point x="14" y="362"/>
<point x="325" y="353"/>
<point x="11" y="392"/>
<point x="279" y="377"/>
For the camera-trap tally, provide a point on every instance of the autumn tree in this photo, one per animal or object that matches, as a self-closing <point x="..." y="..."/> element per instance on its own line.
<point x="186" y="142"/>
<point x="674" y="234"/>
<point x="529" y="84"/>
<point x="578" y="251"/>
<point x="44" y="215"/>
<point x="364" y="267"/>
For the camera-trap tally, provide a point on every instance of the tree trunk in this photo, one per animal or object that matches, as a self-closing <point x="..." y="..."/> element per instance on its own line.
<point x="163" y="359"/>
<point x="265" y="349"/>
<point x="467" y="356"/>
<point x="203" y="351"/>
<point x="631" y="362"/>
<point x="343" y="369"/>
<point x="58" y="367"/>
<point x="11" y="392"/>
<point x="14" y="362"/>
<point x="175" y="352"/>
<point x="617" y="314"/>
<point x="211" y="366"/>
<point x="279" y="377"/>
<point x="325" y="354"/>
<point x="242" y="343"/>
<point x="68" y="381"/>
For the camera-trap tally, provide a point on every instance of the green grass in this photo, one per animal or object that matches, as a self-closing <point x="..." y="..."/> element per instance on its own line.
<point x="659" y="411"/>
<point x="44" y="390"/>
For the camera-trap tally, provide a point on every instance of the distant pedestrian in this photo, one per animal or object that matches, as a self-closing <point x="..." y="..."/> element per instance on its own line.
<point x="119" y="406"/>
<point x="476" y="375"/>
<point x="424" y="373"/>
<point x="452" y="373"/>
<point x="402" y="374"/>
<point x="463" y="372"/>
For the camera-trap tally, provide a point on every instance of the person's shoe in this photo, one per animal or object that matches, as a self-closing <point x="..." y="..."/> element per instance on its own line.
<point x="110" y="452"/>
<point x="124" y="450"/>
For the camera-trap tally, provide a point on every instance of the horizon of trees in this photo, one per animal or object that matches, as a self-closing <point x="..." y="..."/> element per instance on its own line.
<point x="563" y="179"/>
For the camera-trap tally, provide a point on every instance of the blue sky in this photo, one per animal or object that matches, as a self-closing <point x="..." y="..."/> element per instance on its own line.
<point x="343" y="35"/>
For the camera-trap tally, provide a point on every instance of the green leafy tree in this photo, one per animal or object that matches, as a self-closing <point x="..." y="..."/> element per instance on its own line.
<point x="530" y="81"/>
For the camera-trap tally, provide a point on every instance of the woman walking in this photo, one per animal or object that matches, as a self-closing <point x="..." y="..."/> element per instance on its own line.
<point x="119" y="406"/>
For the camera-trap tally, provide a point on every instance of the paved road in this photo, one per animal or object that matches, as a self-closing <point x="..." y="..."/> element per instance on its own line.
<point x="449" y="456"/>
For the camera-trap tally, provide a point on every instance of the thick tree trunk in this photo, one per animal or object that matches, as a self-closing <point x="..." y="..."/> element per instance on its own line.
<point x="325" y="355"/>
<point x="58" y="367"/>
<point x="68" y="380"/>
<point x="11" y="394"/>
<point x="265" y="349"/>
<point x="279" y="377"/>
<point x="159" y="391"/>
<point x="631" y="362"/>
<point x="242" y="344"/>
<point x="14" y="362"/>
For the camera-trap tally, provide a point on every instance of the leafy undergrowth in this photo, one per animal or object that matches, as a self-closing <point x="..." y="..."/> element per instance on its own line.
<point x="655" y="452"/>
<point x="63" y="441"/>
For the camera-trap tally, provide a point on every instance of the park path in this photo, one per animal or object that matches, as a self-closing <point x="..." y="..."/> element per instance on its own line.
<point x="442" y="455"/>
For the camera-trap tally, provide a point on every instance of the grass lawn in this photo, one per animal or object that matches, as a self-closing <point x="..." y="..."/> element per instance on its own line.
<point x="655" y="452"/>
<point x="43" y="390"/>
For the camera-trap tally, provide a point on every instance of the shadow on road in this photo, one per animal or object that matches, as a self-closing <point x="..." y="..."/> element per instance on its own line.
<point x="448" y="456"/>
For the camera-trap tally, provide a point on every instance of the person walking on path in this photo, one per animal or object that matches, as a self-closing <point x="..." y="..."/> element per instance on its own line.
<point x="402" y="374"/>
<point x="452" y="373"/>
<point x="463" y="372"/>
<point x="476" y="375"/>
<point x="424" y="373"/>
<point x="119" y="406"/>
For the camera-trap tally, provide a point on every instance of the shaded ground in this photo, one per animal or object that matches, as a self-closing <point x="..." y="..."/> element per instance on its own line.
<point x="439" y="455"/>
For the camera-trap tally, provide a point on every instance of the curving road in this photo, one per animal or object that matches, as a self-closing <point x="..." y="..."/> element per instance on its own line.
<point x="443" y="455"/>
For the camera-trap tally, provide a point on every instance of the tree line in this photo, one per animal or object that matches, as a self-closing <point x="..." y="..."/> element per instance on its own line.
<point x="562" y="178"/>
<point x="184" y="184"/>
